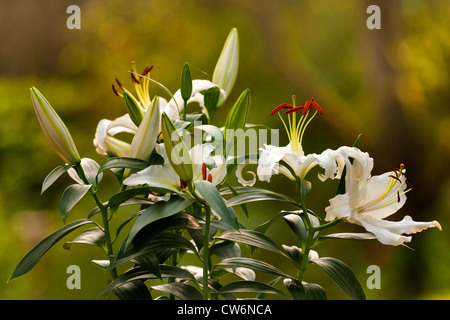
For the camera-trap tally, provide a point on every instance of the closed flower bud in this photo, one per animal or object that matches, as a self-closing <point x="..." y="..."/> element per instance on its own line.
<point x="226" y="70"/>
<point x="54" y="129"/>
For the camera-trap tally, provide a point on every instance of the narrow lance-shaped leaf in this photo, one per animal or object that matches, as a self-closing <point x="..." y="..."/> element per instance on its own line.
<point x="342" y="275"/>
<point x="133" y="108"/>
<point x="33" y="257"/>
<point x="211" y="100"/>
<point x="71" y="196"/>
<point x="176" y="149"/>
<point x="236" y="119"/>
<point x="214" y="199"/>
<point x="53" y="176"/>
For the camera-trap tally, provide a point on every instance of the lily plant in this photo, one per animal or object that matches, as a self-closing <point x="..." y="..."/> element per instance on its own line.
<point x="185" y="231"/>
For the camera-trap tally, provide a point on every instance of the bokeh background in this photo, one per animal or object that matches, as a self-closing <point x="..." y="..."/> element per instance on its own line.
<point x="391" y="85"/>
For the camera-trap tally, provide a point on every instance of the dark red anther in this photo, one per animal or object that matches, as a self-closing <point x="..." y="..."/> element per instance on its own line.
<point x="134" y="78"/>
<point x="204" y="171"/>
<point x="281" y="106"/>
<point x="294" y="109"/>
<point x="210" y="178"/>
<point x="318" y="108"/>
<point x="183" y="184"/>
<point x="146" y="70"/>
<point x="120" y="85"/>
<point x="115" y="91"/>
<point x="306" y="107"/>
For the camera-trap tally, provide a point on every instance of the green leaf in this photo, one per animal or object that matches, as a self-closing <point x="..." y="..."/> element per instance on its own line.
<point x="145" y="239"/>
<point x="249" y="286"/>
<point x="122" y="163"/>
<point x="256" y="265"/>
<point x="133" y="108"/>
<point x="252" y="238"/>
<point x="226" y="249"/>
<point x="236" y="119"/>
<point x="149" y="262"/>
<point x="142" y="275"/>
<point x="33" y="257"/>
<point x="212" y="196"/>
<point x="133" y="290"/>
<point x="54" y="175"/>
<point x="297" y="225"/>
<point x="176" y="149"/>
<point x="260" y="196"/>
<point x="186" y="83"/>
<point x="181" y="290"/>
<point x="119" y="198"/>
<point x="211" y="99"/>
<point x="158" y="211"/>
<point x="71" y="196"/>
<point x="305" y="291"/>
<point x="342" y="275"/>
<point x="93" y="236"/>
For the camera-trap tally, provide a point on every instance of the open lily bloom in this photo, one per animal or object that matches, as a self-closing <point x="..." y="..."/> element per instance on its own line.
<point x="204" y="166"/>
<point x="291" y="160"/>
<point x="104" y="140"/>
<point x="368" y="200"/>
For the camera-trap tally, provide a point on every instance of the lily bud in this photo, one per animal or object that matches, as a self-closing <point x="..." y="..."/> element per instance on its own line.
<point x="145" y="138"/>
<point x="54" y="129"/>
<point x="177" y="152"/>
<point x="226" y="70"/>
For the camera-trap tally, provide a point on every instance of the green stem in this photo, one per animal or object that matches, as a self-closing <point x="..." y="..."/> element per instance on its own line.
<point x="306" y="245"/>
<point x="184" y="110"/>
<point x="104" y="212"/>
<point x="206" y="254"/>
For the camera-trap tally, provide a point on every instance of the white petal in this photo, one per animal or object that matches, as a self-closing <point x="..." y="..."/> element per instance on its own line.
<point x="270" y="156"/>
<point x="382" y="196"/>
<point x="393" y="233"/>
<point x="241" y="180"/>
<point x="155" y="176"/>
<point x="100" y="136"/>
<point x="339" y="208"/>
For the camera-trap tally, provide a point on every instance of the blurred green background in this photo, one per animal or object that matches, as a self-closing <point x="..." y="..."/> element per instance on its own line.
<point x="391" y="85"/>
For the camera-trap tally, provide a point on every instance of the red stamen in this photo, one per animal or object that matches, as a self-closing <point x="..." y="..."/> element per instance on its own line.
<point x="281" y="106"/>
<point x="204" y="171"/>
<point x="210" y="178"/>
<point x="318" y="108"/>
<point x="115" y="91"/>
<point x="134" y="78"/>
<point x="120" y="85"/>
<point x="306" y="107"/>
<point x="146" y="70"/>
<point x="183" y="184"/>
<point x="295" y="109"/>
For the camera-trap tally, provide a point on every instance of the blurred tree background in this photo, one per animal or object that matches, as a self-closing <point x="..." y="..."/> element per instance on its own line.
<point x="391" y="85"/>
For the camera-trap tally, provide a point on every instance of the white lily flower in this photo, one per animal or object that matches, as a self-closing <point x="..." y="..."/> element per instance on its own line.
<point x="291" y="160"/>
<point x="105" y="141"/>
<point x="368" y="200"/>
<point x="164" y="176"/>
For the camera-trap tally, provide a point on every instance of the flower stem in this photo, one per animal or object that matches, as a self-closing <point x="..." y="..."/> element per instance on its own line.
<point x="206" y="253"/>
<point x="104" y="212"/>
